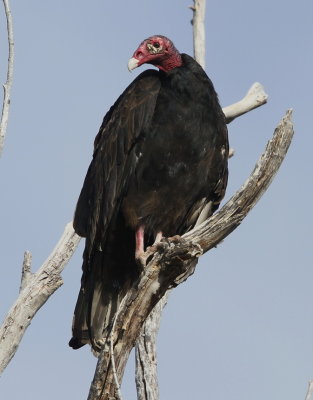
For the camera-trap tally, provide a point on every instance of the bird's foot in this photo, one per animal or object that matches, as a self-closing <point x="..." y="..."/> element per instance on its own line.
<point x="165" y="242"/>
<point x="144" y="257"/>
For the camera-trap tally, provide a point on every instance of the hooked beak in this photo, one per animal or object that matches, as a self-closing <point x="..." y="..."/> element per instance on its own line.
<point x="132" y="64"/>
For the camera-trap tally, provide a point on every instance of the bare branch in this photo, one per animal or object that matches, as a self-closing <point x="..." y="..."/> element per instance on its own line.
<point x="199" y="31"/>
<point x="309" y="394"/>
<point x="254" y="98"/>
<point x="34" y="294"/>
<point x="175" y="260"/>
<point x="116" y="381"/>
<point x="26" y="270"/>
<point x="7" y="86"/>
<point x="146" y="354"/>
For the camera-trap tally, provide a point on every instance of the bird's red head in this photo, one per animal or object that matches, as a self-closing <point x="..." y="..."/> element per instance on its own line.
<point x="156" y="50"/>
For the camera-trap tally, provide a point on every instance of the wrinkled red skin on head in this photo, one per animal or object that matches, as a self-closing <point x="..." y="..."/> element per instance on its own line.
<point x="168" y="59"/>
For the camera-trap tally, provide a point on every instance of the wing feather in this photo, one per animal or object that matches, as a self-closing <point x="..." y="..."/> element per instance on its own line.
<point x="114" y="157"/>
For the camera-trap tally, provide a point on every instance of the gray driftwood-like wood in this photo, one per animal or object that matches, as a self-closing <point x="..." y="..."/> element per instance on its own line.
<point x="174" y="260"/>
<point x="197" y="22"/>
<point x="8" y="84"/>
<point x="35" y="290"/>
<point x="309" y="394"/>
<point x="146" y="351"/>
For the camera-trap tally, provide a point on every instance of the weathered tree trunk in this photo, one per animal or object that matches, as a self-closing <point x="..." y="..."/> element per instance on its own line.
<point x="146" y="354"/>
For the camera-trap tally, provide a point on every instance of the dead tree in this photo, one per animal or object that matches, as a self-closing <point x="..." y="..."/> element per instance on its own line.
<point x="171" y="264"/>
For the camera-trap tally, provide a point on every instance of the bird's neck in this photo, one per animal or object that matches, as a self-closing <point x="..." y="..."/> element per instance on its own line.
<point x="171" y="62"/>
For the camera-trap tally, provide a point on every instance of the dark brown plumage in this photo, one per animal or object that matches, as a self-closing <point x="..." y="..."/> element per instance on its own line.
<point x="160" y="156"/>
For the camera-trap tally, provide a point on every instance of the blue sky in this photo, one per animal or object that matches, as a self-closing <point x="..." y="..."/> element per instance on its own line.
<point x="242" y="326"/>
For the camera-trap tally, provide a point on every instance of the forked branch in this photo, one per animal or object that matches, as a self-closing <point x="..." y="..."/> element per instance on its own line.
<point x="254" y="98"/>
<point x="35" y="290"/>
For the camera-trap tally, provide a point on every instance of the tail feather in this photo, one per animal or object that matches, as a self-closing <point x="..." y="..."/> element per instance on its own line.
<point x="106" y="278"/>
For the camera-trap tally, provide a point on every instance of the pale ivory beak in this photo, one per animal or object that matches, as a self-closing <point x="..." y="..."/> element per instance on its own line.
<point x="132" y="63"/>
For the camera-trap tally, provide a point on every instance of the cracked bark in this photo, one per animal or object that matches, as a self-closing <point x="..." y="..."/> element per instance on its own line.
<point x="35" y="290"/>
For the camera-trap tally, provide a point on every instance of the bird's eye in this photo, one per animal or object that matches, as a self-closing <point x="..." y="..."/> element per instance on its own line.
<point x="156" y="45"/>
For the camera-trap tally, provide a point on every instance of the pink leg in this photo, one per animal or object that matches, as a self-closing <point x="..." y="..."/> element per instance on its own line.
<point x="140" y="233"/>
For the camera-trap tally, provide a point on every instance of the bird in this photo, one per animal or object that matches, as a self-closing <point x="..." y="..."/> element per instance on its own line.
<point x="159" y="167"/>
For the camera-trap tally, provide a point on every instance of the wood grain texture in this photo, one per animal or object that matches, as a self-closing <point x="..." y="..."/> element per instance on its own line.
<point x="35" y="290"/>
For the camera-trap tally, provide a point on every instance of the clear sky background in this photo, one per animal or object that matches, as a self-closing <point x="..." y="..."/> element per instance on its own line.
<point x="242" y="326"/>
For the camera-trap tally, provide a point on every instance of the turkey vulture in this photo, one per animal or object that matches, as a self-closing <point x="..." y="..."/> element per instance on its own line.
<point x="159" y="160"/>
